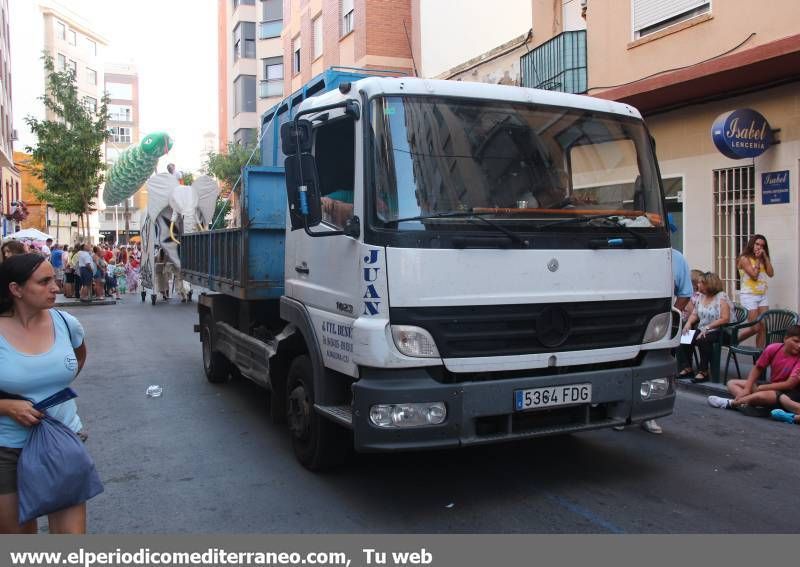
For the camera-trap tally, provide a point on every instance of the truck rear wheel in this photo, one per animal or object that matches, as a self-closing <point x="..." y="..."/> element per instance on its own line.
<point x="318" y="443"/>
<point x="215" y="365"/>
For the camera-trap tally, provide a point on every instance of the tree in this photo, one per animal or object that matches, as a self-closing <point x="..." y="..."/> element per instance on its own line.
<point x="68" y="156"/>
<point x="221" y="210"/>
<point x="227" y="167"/>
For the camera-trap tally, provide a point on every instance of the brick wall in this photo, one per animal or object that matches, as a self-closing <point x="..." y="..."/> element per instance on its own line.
<point x="331" y="28"/>
<point x="380" y="28"/>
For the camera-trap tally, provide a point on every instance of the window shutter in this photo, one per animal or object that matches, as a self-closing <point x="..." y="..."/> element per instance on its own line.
<point x="650" y="12"/>
<point x="347" y="6"/>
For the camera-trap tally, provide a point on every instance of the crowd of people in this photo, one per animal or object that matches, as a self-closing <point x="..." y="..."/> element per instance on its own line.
<point x="773" y="384"/>
<point x="84" y="271"/>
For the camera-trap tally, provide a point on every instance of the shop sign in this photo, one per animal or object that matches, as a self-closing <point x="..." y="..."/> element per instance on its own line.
<point x="742" y="133"/>
<point x="774" y="187"/>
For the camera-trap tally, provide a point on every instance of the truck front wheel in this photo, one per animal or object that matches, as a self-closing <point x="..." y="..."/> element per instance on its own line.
<point x="318" y="443"/>
<point x="215" y="365"/>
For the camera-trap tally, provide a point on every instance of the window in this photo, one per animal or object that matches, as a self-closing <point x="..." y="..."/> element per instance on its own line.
<point x="119" y="113"/>
<point x="271" y="19"/>
<point x="334" y="146"/>
<point x="245" y="136"/>
<point x="237" y="3"/>
<point x="91" y="76"/>
<point x="316" y="38"/>
<point x="90" y="103"/>
<point x="91" y="46"/>
<point x="244" y="41"/>
<point x="347" y="16"/>
<point x="272" y="84"/>
<point x="109" y="216"/>
<point x="72" y="37"/>
<point x="296" y="55"/>
<point x="121" y="134"/>
<point x="61" y="31"/>
<point x="673" y="197"/>
<point x="74" y="66"/>
<point x="734" y="222"/>
<point x="121" y="91"/>
<point x="653" y="15"/>
<point x="244" y="94"/>
<point x="61" y="62"/>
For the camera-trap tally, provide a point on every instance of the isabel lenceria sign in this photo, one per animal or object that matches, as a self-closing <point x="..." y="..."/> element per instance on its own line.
<point x="742" y="133"/>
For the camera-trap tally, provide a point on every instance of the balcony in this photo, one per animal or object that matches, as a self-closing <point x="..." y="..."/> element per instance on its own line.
<point x="558" y="65"/>
<point x="270" y="88"/>
<point x="267" y="30"/>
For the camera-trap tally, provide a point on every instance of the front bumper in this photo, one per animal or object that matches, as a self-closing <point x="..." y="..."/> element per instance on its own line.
<point x="483" y="412"/>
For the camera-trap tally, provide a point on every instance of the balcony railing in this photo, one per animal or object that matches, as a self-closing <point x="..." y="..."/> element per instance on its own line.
<point x="271" y="88"/>
<point x="267" y="30"/>
<point x="558" y="65"/>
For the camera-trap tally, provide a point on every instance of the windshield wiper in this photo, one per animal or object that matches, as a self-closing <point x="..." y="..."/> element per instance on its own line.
<point x="589" y="219"/>
<point x="467" y="215"/>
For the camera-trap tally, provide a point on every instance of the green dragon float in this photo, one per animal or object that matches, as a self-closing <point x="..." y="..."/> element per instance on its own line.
<point x="134" y="166"/>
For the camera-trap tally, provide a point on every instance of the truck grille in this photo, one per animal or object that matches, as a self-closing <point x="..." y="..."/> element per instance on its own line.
<point x="503" y="330"/>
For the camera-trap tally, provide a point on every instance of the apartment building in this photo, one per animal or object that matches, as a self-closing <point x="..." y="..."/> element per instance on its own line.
<point x="687" y="64"/>
<point x="120" y="222"/>
<point x="250" y="66"/>
<point x="10" y="189"/>
<point x="73" y="43"/>
<point x="367" y="34"/>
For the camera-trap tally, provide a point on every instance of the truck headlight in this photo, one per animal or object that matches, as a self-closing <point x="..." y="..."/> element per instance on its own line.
<point x="654" y="389"/>
<point x="407" y="415"/>
<point x="414" y="341"/>
<point x="657" y="327"/>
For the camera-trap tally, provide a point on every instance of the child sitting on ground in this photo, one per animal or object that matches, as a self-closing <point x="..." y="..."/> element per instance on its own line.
<point x="783" y="360"/>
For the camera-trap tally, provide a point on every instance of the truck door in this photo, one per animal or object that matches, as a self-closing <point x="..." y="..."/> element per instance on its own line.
<point x="322" y="273"/>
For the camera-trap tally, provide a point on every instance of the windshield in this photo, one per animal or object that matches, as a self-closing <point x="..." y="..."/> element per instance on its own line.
<point x="520" y="164"/>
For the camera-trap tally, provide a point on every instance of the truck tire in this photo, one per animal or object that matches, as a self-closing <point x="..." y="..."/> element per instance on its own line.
<point x="318" y="443"/>
<point x="215" y="365"/>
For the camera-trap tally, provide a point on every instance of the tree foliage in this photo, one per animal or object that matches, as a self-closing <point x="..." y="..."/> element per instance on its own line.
<point x="227" y="166"/>
<point x="221" y="210"/>
<point x="68" y="155"/>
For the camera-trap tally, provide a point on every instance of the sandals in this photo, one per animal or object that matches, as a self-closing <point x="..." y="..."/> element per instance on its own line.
<point x="701" y="376"/>
<point x="685" y="373"/>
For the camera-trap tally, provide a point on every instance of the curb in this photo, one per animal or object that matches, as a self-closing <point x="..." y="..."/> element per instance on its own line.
<point x="81" y="304"/>
<point x="704" y="389"/>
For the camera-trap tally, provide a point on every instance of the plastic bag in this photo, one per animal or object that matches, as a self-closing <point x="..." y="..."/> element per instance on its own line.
<point x="54" y="471"/>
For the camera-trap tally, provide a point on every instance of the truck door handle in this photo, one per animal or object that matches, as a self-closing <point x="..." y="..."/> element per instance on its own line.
<point x="301" y="269"/>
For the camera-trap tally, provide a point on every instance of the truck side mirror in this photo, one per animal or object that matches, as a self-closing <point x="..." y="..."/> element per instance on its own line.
<point x="302" y="189"/>
<point x="294" y="133"/>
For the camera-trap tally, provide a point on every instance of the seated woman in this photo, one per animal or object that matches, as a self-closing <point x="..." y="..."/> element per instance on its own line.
<point x="712" y="311"/>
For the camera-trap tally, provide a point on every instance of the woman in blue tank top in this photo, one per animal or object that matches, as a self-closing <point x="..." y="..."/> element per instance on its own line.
<point x="41" y="352"/>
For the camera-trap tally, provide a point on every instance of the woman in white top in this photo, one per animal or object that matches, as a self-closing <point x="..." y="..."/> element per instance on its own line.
<point x="711" y="312"/>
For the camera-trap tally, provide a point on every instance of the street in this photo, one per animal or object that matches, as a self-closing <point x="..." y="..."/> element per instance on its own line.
<point x="204" y="458"/>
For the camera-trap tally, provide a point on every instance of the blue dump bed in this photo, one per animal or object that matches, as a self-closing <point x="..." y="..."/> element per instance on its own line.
<point x="244" y="262"/>
<point x="248" y="262"/>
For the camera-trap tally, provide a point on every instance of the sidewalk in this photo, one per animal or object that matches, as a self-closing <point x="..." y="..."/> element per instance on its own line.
<point x="713" y="388"/>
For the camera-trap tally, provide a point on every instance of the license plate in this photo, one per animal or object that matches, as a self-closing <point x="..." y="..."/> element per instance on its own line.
<point x="552" y="396"/>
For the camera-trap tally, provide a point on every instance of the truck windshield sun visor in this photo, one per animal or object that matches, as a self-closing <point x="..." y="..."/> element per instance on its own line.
<point x="514" y="167"/>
